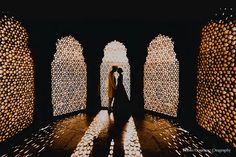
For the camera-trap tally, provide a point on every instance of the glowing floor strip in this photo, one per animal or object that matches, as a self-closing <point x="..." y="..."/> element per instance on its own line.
<point x="131" y="141"/>
<point x="85" y="146"/>
<point x="111" y="149"/>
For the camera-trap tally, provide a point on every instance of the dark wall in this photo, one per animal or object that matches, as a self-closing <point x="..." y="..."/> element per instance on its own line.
<point x="94" y="35"/>
<point x="94" y="24"/>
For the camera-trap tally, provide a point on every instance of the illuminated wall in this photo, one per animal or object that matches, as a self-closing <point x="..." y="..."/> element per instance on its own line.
<point x="16" y="79"/>
<point x="69" y="77"/>
<point x="216" y="81"/>
<point x="114" y="54"/>
<point x="161" y="77"/>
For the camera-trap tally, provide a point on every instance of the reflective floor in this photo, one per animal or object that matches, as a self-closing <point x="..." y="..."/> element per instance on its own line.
<point x="99" y="136"/>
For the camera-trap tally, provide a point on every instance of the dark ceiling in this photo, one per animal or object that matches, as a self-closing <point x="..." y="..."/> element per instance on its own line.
<point x="165" y="10"/>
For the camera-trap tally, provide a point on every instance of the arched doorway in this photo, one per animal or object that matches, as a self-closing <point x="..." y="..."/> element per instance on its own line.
<point x="69" y="77"/>
<point x="114" y="54"/>
<point x="16" y="79"/>
<point x="161" y="77"/>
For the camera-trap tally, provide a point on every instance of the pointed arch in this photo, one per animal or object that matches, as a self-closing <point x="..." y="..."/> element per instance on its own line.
<point x="161" y="77"/>
<point x="69" y="77"/>
<point x="16" y="79"/>
<point x="216" y="82"/>
<point x="114" y="54"/>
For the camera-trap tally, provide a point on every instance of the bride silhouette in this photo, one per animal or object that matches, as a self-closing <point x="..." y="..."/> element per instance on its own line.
<point x="121" y="100"/>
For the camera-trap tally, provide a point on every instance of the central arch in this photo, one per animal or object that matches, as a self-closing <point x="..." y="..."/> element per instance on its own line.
<point x="114" y="54"/>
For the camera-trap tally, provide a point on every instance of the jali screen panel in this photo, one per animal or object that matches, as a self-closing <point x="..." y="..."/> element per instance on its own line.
<point x="161" y="77"/>
<point x="216" y="79"/>
<point x="69" y="77"/>
<point x="16" y="79"/>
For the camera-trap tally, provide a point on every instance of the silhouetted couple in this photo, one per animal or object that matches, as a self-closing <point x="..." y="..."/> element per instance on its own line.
<point x="118" y="94"/>
<point x="121" y="109"/>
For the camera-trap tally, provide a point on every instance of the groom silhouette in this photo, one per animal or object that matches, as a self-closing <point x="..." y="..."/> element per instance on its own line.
<point x="111" y="86"/>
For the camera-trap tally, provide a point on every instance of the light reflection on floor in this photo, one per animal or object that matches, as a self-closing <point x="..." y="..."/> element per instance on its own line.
<point x="85" y="146"/>
<point x="111" y="149"/>
<point x="52" y="139"/>
<point x="131" y="141"/>
<point x="76" y="136"/>
<point x="165" y="137"/>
